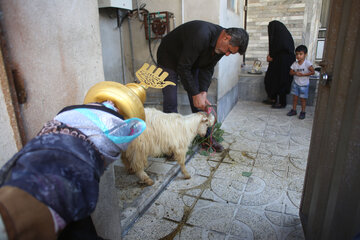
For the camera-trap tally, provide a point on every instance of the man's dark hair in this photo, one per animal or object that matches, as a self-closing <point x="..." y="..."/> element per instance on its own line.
<point x="239" y="38"/>
<point x="301" y="48"/>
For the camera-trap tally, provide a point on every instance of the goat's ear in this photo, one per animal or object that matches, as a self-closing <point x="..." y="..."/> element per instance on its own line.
<point x="211" y="119"/>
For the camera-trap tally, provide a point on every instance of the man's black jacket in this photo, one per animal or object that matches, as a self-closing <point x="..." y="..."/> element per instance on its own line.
<point x="191" y="46"/>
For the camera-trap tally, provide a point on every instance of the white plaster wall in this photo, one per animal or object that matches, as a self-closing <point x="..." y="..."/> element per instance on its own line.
<point x="202" y="10"/>
<point x="7" y="139"/>
<point x="55" y="45"/>
<point x="230" y="66"/>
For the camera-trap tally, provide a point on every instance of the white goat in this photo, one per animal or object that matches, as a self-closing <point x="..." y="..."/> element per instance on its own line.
<point x="165" y="133"/>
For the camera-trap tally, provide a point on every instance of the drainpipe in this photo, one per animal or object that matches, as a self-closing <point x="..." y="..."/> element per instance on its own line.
<point x="182" y="11"/>
<point x="119" y="18"/>
<point x="131" y="51"/>
<point x="245" y="21"/>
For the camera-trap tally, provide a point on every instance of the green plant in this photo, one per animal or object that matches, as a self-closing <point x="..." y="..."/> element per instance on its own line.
<point x="204" y="142"/>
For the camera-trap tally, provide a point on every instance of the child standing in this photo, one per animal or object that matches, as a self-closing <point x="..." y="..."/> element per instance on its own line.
<point x="302" y="69"/>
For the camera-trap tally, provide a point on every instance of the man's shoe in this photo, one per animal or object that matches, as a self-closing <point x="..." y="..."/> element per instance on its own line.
<point x="278" y="105"/>
<point x="292" y="112"/>
<point x="269" y="101"/>
<point x="302" y="115"/>
<point x="217" y="146"/>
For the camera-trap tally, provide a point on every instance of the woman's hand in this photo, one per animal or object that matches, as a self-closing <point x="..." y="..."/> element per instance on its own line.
<point x="268" y="58"/>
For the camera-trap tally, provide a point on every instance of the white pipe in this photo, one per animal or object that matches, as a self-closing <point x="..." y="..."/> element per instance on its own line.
<point x="182" y="12"/>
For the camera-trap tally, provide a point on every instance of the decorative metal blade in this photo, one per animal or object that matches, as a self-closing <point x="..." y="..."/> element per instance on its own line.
<point x="153" y="77"/>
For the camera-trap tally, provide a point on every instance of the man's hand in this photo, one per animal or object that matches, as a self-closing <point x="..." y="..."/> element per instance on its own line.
<point x="200" y="101"/>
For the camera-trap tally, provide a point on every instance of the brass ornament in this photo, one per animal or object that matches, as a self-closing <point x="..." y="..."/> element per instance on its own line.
<point x="152" y="77"/>
<point x="127" y="101"/>
<point x="129" y="98"/>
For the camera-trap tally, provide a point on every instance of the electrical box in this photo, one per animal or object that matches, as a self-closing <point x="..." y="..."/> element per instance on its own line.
<point x="123" y="4"/>
<point x="157" y="24"/>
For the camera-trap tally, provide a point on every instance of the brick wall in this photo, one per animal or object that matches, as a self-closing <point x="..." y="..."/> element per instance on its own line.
<point x="293" y="13"/>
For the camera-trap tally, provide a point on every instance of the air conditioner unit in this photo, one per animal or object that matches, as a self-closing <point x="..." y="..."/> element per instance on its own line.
<point x="123" y="4"/>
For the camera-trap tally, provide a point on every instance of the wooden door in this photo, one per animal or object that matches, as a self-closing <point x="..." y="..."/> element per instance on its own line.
<point x="330" y="207"/>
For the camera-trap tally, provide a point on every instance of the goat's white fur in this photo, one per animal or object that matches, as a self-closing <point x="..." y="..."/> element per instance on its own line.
<point x="165" y="133"/>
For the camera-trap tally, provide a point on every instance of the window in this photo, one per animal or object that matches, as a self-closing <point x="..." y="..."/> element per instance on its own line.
<point x="320" y="44"/>
<point x="233" y="5"/>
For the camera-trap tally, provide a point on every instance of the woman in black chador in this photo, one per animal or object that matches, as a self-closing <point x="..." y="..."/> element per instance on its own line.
<point x="281" y="56"/>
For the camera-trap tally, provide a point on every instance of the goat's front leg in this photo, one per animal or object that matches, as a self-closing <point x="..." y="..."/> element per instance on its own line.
<point x="144" y="177"/>
<point x="139" y="163"/>
<point x="180" y="157"/>
<point x="127" y="163"/>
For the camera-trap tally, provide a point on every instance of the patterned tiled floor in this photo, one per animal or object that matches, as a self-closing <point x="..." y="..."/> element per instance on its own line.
<point x="221" y="200"/>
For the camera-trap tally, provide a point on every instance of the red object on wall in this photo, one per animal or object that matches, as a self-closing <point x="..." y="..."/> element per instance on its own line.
<point x="157" y="24"/>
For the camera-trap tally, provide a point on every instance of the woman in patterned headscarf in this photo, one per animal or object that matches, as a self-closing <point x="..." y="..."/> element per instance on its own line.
<point x="52" y="183"/>
<point x="281" y="56"/>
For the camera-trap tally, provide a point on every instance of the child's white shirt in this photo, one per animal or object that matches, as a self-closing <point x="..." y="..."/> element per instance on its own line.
<point x="303" y="68"/>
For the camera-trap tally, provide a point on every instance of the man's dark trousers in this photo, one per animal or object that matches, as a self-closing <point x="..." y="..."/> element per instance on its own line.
<point x="170" y="92"/>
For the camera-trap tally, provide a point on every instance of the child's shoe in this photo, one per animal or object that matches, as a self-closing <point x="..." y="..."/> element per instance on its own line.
<point x="292" y="112"/>
<point x="302" y="115"/>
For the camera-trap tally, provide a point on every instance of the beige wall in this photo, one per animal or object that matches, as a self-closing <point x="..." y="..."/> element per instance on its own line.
<point x="202" y="10"/>
<point x="229" y="67"/>
<point x="141" y="52"/>
<point x="55" y="45"/>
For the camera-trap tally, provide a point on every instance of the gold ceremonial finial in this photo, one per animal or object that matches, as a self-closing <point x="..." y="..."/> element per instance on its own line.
<point x="129" y="98"/>
<point x="150" y="77"/>
<point x="126" y="101"/>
